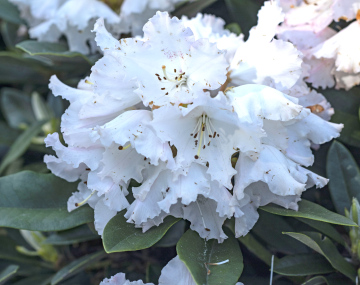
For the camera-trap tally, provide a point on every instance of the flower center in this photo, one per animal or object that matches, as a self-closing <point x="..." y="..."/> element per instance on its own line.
<point x="204" y="129"/>
<point x="177" y="79"/>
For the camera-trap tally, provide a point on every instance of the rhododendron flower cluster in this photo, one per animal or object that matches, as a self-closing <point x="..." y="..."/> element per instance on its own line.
<point x="211" y="126"/>
<point x="332" y="56"/>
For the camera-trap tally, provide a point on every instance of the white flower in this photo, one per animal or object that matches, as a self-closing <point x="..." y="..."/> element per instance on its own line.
<point x="170" y="66"/>
<point x="135" y="13"/>
<point x="71" y="18"/>
<point x="329" y="54"/>
<point x="157" y="110"/>
<point x="119" y="279"/>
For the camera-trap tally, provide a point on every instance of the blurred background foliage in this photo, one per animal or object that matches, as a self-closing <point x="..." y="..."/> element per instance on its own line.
<point x="41" y="243"/>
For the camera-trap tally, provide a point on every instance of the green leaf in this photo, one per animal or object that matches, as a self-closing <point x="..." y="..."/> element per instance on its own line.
<point x="324" y="228"/>
<point x="121" y="236"/>
<point x="49" y="50"/>
<point x="7" y="273"/>
<point x="16" y="107"/>
<point x="234" y="28"/>
<point x="76" y="235"/>
<point x="312" y="211"/>
<point x="243" y="12"/>
<point x="39" y="279"/>
<point x="346" y="104"/>
<point x="16" y="69"/>
<point x="344" y="175"/>
<point x="250" y="242"/>
<point x="195" y="252"/>
<point x="76" y="266"/>
<point x="21" y="144"/>
<point x="302" y="265"/>
<point x="173" y="235"/>
<point x="8" y="252"/>
<point x="38" y="202"/>
<point x="190" y="9"/>
<point x="9" y="12"/>
<point x="318" y="280"/>
<point x="276" y="225"/>
<point x="7" y="135"/>
<point x="325" y="247"/>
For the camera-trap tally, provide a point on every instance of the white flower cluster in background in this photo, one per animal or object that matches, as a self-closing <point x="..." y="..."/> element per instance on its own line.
<point x="135" y="13"/>
<point x="74" y="19"/>
<point x="174" y="273"/>
<point x="333" y="57"/>
<point x="211" y="126"/>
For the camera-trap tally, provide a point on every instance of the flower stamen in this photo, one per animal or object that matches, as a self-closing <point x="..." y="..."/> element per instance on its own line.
<point x="86" y="199"/>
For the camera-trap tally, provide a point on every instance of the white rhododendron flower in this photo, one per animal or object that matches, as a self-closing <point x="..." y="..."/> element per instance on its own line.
<point x="330" y="55"/>
<point x="49" y="20"/>
<point x="174" y="273"/>
<point x="135" y="13"/>
<point x="209" y="135"/>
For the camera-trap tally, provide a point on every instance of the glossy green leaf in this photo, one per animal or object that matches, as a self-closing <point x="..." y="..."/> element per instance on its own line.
<point x="75" y="235"/>
<point x="49" y="50"/>
<point x="302" y="265"/>
<point x="196" y="252"/>
<point x="173" y="235"/>
<point x="7" y="273"/>
<point x="76" y="266"/>
<point x="21" y="144"/>
<point x="324" y="228"/>
<point x="190" y="9"/>
<point x="312" y="211"/>
<point x="121" y="236"/>
<point x="276" y="225"/>
<point x="253" y="245"/>
<point x="38" y="202"/>
<point x="344" y="175"/>
<point x="16" y="69"/>
<point x="346" y="104"/>
<point x="325" y="247"/>
<point x="9" y="12"/>
<point x="318" y="280"/>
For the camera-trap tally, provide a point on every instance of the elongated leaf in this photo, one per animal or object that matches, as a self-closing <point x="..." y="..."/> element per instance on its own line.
<point x="37" y="202"/>
<point x="318" y="280"/>
<point x="302" y="265"/>
<point x="38" y="279"/>
<point x="324" y="228"/>
<point x="344" y="175"/>
<point x="277" y="225"/>
<point x="196" y="252"/>
<point x="9" y="12"/>
<point x="192" y="8"/>
<point x="121" y="236"/>
<point x="76" y="266"/>
<point x="312" y="211"/>
<point x="16" y="69"/>
<point x="49" y="50"/>
<point x="7" y="273"/>
<point x="256" y="248"/>
<point x="76" y="235"/>
<point x="21" y="144"/>
<point x="325" y="247"/>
